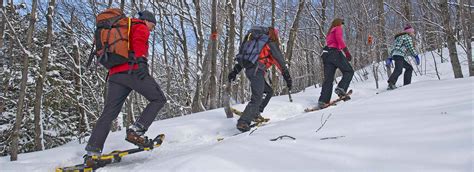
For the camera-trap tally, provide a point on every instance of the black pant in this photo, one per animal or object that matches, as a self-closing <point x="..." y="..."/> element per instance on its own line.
<point x="258" y="87"/>
<point x="119" y="86"/>
<point x="268" y="93"/>
<point x="400" y="63"/>
<point x="333" y="60"/>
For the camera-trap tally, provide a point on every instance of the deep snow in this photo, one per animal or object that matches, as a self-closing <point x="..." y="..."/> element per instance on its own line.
<point x="425" y="126"/>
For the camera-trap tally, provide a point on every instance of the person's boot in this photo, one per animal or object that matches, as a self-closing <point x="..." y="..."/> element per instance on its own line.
<point x="91" y="159"/>
<point x="340" y="92"/>
<point x="391" y="86"/>
<point x="322" y="105"/>
<point x="259" y="118"/>
<point x="135" y="135"/>
<point x="243" y="126"/>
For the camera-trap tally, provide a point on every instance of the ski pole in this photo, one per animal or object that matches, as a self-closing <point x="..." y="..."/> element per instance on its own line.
<point x="289" y="95"/>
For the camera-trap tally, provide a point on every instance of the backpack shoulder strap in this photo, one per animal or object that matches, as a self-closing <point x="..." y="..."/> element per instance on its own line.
<point x="134" y="22"/>
<point x="129" y="26"/>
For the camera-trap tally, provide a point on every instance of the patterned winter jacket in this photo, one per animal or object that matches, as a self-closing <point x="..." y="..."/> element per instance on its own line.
<point x="403" y="46"/>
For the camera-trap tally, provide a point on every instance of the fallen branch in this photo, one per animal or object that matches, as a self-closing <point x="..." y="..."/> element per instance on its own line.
<point x="325" y="138"/>
<point x="281" y="137"/>
<point x="322" y="124"/>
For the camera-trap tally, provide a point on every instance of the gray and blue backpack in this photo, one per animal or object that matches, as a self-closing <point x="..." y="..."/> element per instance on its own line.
<point x="253" y="43"/>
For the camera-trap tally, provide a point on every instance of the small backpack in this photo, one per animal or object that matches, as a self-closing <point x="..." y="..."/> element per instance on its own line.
<point x="250" y="49"/>
<point x="111" y="38"/>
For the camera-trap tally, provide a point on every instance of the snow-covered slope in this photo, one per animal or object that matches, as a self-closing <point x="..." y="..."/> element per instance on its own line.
<point x="425" y="126"/>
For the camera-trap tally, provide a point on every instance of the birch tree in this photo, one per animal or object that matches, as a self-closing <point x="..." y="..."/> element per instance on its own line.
<point x="42" y="75"/>
<point x="214" y="36"/>
<point x="231" y="53"/>
<point x="451" y="40"/>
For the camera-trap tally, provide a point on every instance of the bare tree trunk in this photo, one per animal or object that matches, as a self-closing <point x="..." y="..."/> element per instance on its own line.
<point x="184" y="43"/>
<point x="322" y="35"/>
<point x="19" y="118"/>
<point x="214" y="40"/>
<point x="467" y="31"/>
<point x="274" y="70"/>
<point x="224" y="65"/>
<point x="122" y="5"/>
<point x="241" y="33"/>
<point x="431" y="37"/>
<point x="2" y="31"/>
<point x="407" y="10"/>
<point x="130" y="114"/>
<point x="230" y="54"/>
<point x="2" y="24"/>
<point x="375" y="70"/>
<point x="42" y="76"/>
<point x="293" y="33"/>
<point x="451" y="40"/>
<point x="382" y="36"/>
<point x="458" y="22"/>
<point x="165" y="53"/>
<point x="197" y="104"/>
<point x="24" y="77"/>
<point x="436" y="65"/>
<point x="322" y="30"/>
<point x="83" y="120"/>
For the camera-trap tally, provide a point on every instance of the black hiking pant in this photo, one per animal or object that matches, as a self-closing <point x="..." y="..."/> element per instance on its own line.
<point x="119" y="86"/>
<point x="400" y="63"/>
<point x="332" y="60"/>
<point x="259" y="87"/>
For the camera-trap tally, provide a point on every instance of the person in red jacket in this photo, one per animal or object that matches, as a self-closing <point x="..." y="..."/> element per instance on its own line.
<point x="335" y="55"/>
<point x="256" y="55"/>
<point x="122" y="80"/>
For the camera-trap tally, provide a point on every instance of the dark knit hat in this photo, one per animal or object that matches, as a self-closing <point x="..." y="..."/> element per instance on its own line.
<point x="147" y="15"/>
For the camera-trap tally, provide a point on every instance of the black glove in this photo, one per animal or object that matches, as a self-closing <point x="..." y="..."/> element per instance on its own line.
<point x="235" y="70"/>
<point x="232" y="75"/>
<point x="142" y="70"/>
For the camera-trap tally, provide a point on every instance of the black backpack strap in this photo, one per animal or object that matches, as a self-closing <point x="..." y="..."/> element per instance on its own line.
<point x="91" y="56"/>
<point x="131" y="61"/>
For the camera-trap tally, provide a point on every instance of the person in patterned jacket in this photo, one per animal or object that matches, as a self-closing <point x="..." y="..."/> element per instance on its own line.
<point x="402" y="48"/>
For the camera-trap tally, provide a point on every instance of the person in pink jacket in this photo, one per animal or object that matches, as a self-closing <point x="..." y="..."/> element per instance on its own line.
<point x="335" y="56"/>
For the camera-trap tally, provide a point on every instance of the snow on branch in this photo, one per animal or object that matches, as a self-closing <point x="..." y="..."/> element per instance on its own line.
<point x="28" y="53"/>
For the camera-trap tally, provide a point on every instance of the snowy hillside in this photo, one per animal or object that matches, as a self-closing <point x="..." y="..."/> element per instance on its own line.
<point x="426" y="126"/>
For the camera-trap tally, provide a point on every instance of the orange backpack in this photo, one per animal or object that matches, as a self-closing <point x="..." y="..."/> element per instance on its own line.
<point x="111" y="38"/>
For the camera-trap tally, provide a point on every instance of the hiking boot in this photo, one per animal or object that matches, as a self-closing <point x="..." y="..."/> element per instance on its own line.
<point x="258" y="119"/>
<point x="340" y="92"/>
<point x="137" y="138"/>
<point x="346" y="98"/>
<point x="391" y="86"/>
<point x="91" y="159"/>
<point x="243" y="126"/>
<point x="322" y="105"/>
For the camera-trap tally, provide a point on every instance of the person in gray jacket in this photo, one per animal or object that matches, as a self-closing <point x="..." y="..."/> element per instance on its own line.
<point x="258" y="52"/>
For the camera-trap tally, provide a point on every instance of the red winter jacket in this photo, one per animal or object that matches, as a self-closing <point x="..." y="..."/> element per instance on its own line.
<point x="266" y="58"/>
<point x="139" y="34"/>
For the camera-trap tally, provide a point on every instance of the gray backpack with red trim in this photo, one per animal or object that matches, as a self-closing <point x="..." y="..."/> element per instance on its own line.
<point x="253" y="43"/>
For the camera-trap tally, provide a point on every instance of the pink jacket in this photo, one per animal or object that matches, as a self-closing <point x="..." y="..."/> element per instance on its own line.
<point x="335" y="39"/>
